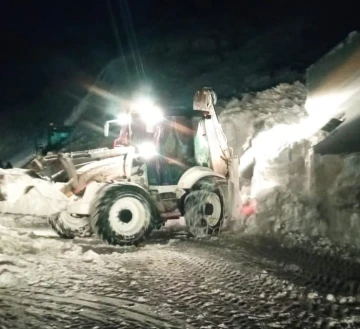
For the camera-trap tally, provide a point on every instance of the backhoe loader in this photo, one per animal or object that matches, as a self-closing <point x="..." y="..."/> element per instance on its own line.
<point x="166" y="164"/>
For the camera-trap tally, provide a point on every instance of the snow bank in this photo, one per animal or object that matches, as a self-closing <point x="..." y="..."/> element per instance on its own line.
<point x="294" y="191"/>
<point x="24" y="222"/>
<point x="15" y="243"/>
<point x="22" y="193"/>
<point x="242" y="120"/>
<point x="337" y="189"/>
<point x="20" y="254"/>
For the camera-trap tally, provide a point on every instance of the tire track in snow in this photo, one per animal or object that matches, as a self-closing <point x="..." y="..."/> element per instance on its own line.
<point x="190" y="283"/>
<point x="99" y="309"/>
<point x="195" y="286"/>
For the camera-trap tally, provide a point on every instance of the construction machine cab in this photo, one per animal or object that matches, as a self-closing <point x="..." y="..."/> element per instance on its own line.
<point x="174" y="145"/>
<point x="176" y="139"/>
<point x="166" y="145"/>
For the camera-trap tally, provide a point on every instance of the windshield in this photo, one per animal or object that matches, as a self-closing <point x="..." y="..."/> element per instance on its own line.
<point x="175" y="140"/>
<point x="134" y="134"/>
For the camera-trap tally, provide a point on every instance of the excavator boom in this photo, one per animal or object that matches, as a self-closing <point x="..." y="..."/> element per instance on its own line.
<point x="222" y="159"/>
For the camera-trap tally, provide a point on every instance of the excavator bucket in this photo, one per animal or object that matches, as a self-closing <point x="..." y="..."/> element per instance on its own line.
<point x="26" y="192"/>
<point x="333" y="98"/>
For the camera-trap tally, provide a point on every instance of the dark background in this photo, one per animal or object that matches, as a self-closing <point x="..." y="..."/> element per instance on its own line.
<point x="50" y="43"/>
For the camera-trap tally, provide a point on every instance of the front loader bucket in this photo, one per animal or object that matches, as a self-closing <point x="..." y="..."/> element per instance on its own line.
<point x="23" y="193"/>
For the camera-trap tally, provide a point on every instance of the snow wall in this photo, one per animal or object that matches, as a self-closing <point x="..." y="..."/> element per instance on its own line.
<point x="291" y="189"/>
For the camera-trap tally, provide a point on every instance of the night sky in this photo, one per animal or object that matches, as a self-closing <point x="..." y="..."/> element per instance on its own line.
<point x="45" y="43"/>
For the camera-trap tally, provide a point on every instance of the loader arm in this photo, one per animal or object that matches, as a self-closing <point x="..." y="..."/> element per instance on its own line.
<point x="222" y="160"/>
<point x="118" y="163"/>
<point x="220" y="153"/>
<point x="22" y="191"/>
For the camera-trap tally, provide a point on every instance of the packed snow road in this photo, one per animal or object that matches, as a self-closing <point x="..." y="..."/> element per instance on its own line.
<point x="172" y="282"/>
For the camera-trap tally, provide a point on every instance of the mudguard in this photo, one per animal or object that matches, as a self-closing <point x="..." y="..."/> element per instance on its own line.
<point x="192" y="175"/>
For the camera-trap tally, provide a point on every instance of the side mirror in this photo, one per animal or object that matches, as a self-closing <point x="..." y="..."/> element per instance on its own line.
<point x="106" y="129"/>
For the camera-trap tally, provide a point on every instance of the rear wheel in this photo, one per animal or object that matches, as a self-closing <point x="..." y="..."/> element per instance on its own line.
<point x="69" y="227"/>
<point x="205" y="208"/>
<point x="123" y="215"/>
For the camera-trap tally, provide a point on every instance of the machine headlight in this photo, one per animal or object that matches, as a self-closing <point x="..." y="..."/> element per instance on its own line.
<point x="152" y="115"/>
<point x="149" y="113"/>
<point x="124" y="119"/>
<point x="147" y="150"/>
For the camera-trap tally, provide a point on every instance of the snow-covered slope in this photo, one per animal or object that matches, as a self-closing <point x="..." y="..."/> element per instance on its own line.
<point x="177" y="64"/>
<point x="243" y="119"/>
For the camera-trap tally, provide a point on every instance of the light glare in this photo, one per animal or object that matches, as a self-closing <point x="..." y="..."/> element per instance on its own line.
<point x="147" y="150"/>
<point x="150" y="113"/>
<point x="123" y="119"/>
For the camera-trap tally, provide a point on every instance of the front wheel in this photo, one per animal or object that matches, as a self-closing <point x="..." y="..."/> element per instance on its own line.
<point x="204" y="208"/>
<point x="69" y="227"/>
<point x="123" y="215"/>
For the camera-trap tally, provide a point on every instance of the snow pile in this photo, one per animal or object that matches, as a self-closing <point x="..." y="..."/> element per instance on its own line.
<point x="337" y="189"/>
<point x="281" y="187"/>
<point x="242" y="120"/>
<point x="292" y="190"/>
<point x="20" y="254"/>
<point x="260" y="129"/>
<point x="15" y="244"/>
<point x="91" y="256"/>
<point x="22" y="192"/>
<point x="7" y="278"/>
<point x="24" y="222"/>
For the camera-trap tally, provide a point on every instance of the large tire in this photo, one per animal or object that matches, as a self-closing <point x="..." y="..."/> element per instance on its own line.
<point x="69" y="227"/>
<point x="123" y="215"/>
<point x="204" y="207"/>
